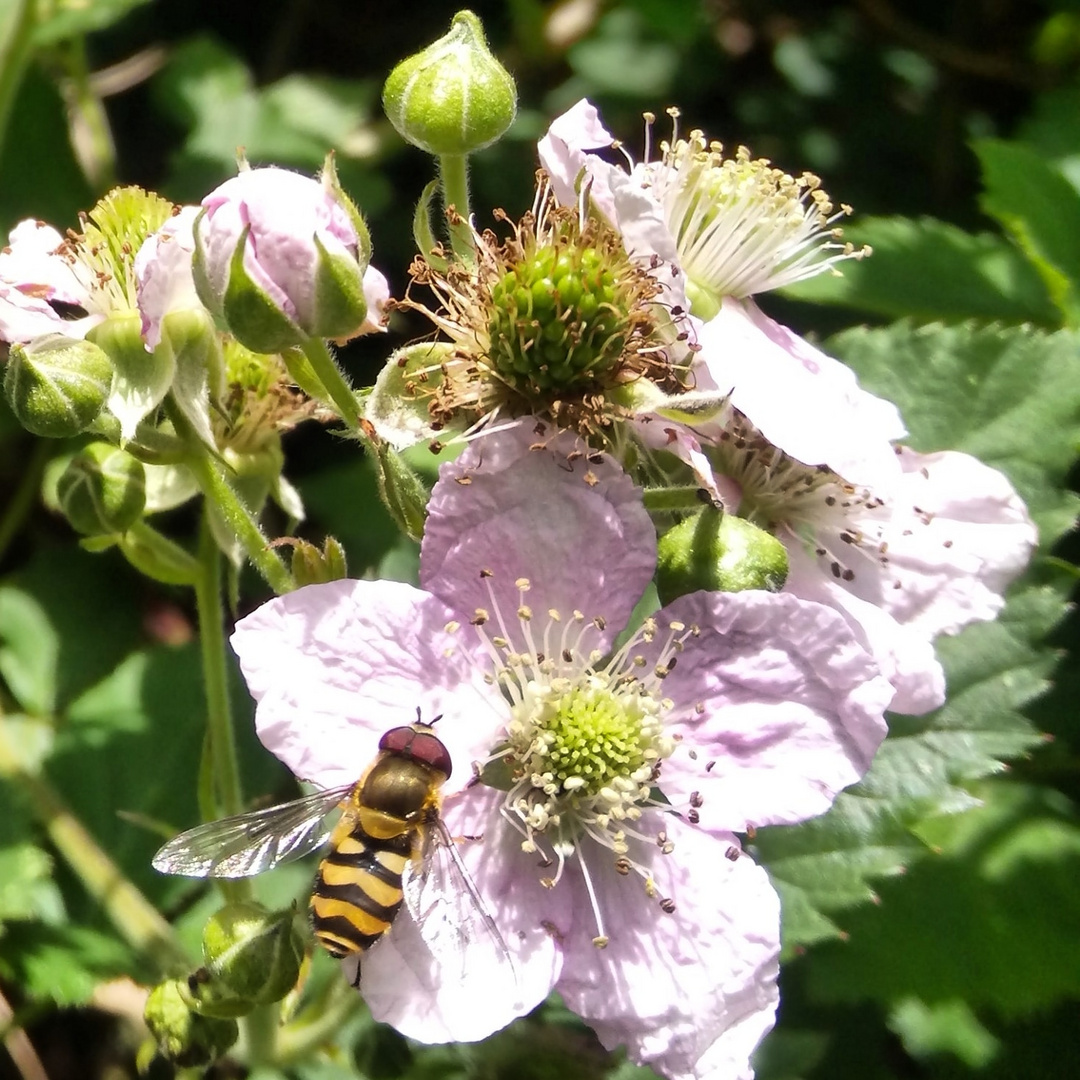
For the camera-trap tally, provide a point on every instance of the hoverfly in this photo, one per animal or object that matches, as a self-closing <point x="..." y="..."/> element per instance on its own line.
<point x="389" y="838"/>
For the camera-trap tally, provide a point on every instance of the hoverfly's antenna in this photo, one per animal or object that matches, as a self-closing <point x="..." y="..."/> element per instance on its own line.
<point x="427" y="723"/>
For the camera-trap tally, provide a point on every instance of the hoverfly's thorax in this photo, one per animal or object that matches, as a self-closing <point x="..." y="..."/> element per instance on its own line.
<point x="394" y="792"/>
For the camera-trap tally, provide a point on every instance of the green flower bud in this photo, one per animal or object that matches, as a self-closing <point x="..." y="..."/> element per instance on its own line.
<point x="56" y="386"/>
<point x="102" y="490"/>
<point x="453" y="97"/>
<point x="252" y="957"/>
<point x="719" y="552"/>
<point x="310" y="566"/>
<point x="183" y="1036"/>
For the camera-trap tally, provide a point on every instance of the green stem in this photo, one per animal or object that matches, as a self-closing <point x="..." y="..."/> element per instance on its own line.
<point x="23" y="500"/>
<point x="329" y="374"/>
<point x="16" y="34"/>
<point x="260" y="1028"/>
<point x="668" y="500"/>
<point x="454" y="174"/>
<point x="219" y="720"/>
<point x="136" y="920"/>
<point x="299" y="1040"/>
<point x="209" y="474"/>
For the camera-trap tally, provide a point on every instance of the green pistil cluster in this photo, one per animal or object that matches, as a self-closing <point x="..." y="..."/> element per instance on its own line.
<point x="592" y="738"/>
<point x="560" y="320"/>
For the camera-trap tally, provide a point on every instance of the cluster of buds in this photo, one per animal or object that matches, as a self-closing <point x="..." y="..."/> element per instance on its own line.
<point x="251" y="957"/>
<point x="166" y="334"/>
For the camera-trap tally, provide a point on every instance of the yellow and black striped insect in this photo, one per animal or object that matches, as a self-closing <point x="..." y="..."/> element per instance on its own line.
<point x="389" y="846"/>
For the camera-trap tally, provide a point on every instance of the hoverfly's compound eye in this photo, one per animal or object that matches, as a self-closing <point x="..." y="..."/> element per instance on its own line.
<point x="417" y="742"/>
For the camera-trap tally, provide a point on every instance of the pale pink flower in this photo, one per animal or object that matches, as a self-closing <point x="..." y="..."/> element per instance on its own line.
<point x="742" y="709"/>
<point x="37" y="272"/>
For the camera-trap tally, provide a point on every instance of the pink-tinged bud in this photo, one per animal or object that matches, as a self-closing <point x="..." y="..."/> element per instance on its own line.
<point x="280" y="259"/>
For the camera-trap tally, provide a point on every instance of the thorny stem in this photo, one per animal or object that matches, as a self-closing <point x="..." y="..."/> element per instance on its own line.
<point x="454" y="174"/>
<point x="210" y="476"/>
<point x="136" y="920"/>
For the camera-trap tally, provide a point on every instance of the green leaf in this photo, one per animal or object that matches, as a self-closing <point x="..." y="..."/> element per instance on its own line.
<point x="1053" y="130"/>
<point x="874" y="829"/>
<point x="29" y="651"/>
<point x="992" y="920"/>
<point x="1009" y="396"/>
<point x="61" y="22"/>
<point x="63" y="964"/>
<point x="1040" y="208"/>
<point x="930" y="270"/>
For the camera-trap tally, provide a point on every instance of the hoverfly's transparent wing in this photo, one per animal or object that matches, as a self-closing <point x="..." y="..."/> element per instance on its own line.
<point x="248" y="844"/>
<point x="448" y="908"/>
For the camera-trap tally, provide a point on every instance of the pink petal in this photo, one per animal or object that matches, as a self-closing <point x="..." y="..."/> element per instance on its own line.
<point x="575" y="528"/>
<point x="778" y="707"/>
<point x="820" y="415"/>
<point x="905" y="657"/>
<point x="332" y="667"/>
<point x="164" y="274"/>
<point x="376" y="294"/>
<point x="468" y="989"/>
<point x="960" y="534"/>
<point x="563" y="149"/>
<point x="689" y="994"/>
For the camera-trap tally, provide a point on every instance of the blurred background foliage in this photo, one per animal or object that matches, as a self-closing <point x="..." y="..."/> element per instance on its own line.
<point x="953" y="129"/>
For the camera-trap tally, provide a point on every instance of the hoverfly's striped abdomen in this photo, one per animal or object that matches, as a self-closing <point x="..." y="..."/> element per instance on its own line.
<point x="358" y="889"/>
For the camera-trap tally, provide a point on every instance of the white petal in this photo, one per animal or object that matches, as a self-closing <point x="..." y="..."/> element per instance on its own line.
<point x="563" y="149"/>
<point x="959" y="535"/>
<point x="777" y="705"/>
<point x="689" y="993"/>
<point x="333" y="667"/>
<point x="434" y="994"/>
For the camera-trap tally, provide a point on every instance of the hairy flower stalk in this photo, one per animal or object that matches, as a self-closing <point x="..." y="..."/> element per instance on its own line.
<point x="551" y="322"/>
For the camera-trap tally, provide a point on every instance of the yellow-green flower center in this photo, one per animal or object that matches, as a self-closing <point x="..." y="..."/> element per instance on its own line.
<point x="592" y="738"/>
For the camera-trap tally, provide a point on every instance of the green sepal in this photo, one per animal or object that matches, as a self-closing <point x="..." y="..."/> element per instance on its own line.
<point x="331" y="183"/>
<point x="103" y="490"/>
<point x="424" y="229"/>
<point x="718" y="552"/>
<point x="340" y="307"/>
<point x="393" y="408"/>
<point x="250" y="314"/>
<point x="401" y="490"/>
<point x="142" y="378"/>
<point x="312" y="566"/>
<point x="303" y="374"/>
<point x="57" y="386"/>
<point x="192" y="341"/>
<point x="157" y="557"/>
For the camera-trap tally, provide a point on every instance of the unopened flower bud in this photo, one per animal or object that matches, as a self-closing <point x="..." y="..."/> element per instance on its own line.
<point x="279" y="259"/>
<point x="718" y="552"/>
<point x="56" y="386"/>
<point x="103" y="490"/>
<point x="453" y="97"/>
<point x="252" y="957"/>
<point x="310" y="566"/>
<point x="184" y="1037"/>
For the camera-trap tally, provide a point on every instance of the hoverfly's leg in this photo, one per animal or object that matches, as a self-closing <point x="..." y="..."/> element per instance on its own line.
<point x="356" y="978"/>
